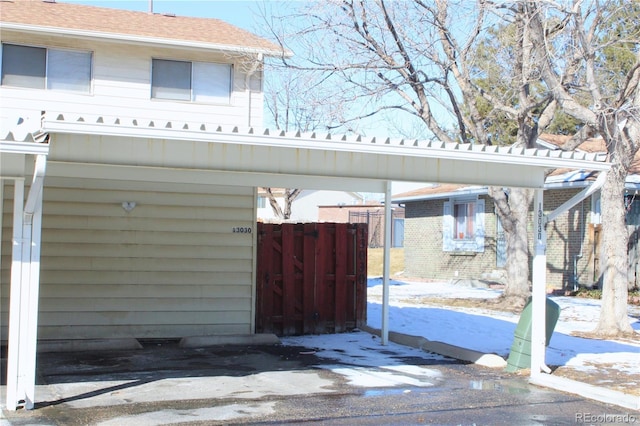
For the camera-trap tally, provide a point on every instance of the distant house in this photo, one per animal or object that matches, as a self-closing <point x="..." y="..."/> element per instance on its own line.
<point x="336" y="206"/>
<point x="305" y="208"/>
<point x="452" y="231"/>
<point x="372" y="214"/>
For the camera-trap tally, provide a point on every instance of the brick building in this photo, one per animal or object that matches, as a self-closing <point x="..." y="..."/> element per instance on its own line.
<point x="452" y="231"/>
<point x="571" y="252"/>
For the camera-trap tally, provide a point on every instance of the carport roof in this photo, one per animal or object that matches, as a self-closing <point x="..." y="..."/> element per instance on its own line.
<point x="292" y="159"/>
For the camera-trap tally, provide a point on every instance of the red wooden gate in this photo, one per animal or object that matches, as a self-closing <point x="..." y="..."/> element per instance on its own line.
<point x="311" y="278"/>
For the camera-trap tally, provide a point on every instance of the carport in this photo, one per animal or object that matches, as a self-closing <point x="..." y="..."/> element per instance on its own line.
<point x="128" y="149"/>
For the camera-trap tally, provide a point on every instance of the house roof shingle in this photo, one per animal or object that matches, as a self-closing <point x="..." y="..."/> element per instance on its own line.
<point x="91" y="20"/>
<point x="592" y="145"/>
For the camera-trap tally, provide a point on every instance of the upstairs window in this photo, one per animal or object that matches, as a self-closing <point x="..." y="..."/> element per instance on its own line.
<point x="42" y="68"/>
<point x="201" y="82"/>
<point x="463" y="225"/>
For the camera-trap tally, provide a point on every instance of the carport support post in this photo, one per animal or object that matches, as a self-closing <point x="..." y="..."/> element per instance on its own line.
<point x="25" y="286"/>
<point x="384" y="332"/>
<point x="539" y="284"/>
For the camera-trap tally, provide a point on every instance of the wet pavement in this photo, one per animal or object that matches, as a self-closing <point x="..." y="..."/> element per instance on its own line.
<point x="163" y="383"/>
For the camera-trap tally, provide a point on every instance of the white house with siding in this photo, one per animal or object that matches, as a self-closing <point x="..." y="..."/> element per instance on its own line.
<point x="306" y="206"/>
<point x="130" y="158"/>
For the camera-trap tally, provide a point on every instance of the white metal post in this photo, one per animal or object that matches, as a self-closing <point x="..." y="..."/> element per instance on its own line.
<point x="25" y="286"/>
<point x="1" y="215"/>
<point x="14" y="382"/>
<point x="384" y="332"/>
<point x="539" y="293"/>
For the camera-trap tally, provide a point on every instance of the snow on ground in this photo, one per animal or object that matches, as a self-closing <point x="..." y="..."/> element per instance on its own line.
<point x="491" y="331"/>
<point x="364" y="362"/>
<point x="361" y="359"/>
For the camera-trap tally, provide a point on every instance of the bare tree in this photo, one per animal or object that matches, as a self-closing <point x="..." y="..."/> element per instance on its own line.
<point x="296" y="101"/>
<point x="574" y="39"/>
<point x="420" y="58"/>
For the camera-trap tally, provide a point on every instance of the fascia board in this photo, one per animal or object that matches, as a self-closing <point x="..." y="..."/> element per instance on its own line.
<point x="567" y="185"/>
<point x="312" y="143"/>
<point x="547" y="145"/>
<point x="141" y="40"/>
<point x="632" y="186"/>
<point x="65" y="169"/>
<point x="450" y="194"/>
<point x="13" y="147"/>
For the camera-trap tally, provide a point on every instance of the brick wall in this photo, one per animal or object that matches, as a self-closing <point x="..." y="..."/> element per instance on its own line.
<point x="567" y="237"/>
<point x="569" y="242"/>
<point x="423" y="253"/>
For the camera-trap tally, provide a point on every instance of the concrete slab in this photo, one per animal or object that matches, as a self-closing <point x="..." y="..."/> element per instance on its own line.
<point x="445" y="349"/>
<point x="347" y="381"/>
<point x="87" y="345"/>
<point x="236" y="339"/>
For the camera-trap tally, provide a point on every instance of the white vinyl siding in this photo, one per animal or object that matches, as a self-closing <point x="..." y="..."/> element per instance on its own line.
<point x="121" y="87"/>
<point x="186" y="81"/>
<point x="172" y="267"/>
<point x="39" y="68"/>
<point x="463" y="225"/>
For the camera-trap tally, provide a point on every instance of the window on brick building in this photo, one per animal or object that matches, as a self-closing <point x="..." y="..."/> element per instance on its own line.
<point x="463" y="225"/>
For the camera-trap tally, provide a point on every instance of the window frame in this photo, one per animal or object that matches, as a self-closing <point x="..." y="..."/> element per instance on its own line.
<point x="261" y="202"/>
<point x="194" y="70"/>
<point x="452" y="240"/>
<point x="47" y="73"/>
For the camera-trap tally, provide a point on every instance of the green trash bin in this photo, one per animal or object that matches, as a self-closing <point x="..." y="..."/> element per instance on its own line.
<point x="520" y="354"/>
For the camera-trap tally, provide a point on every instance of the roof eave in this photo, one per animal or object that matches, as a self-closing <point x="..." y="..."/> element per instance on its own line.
<point x="142" y="40"/>
<point x="313" y="142"/>
<point x="450" y="194"/>
<point x="30" y="148"/>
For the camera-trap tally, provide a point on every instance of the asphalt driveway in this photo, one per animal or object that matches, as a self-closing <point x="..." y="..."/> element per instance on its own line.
<point x="359" y="382"/>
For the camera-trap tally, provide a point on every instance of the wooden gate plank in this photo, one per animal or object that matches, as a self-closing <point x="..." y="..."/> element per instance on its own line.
<point x="309" y="278"/>
<point x="288" y="280"/>
<point x="361" y="274"/>
<point x="321" y="284"/>
<point x="265" y="278"/>
<point x="340" y="286"/>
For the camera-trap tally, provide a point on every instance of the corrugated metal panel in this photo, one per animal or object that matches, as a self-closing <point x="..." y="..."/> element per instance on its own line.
<point x="283" y="159"/>
<point x="194" y="131"/>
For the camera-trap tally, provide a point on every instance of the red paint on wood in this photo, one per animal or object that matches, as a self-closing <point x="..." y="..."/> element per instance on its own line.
<point x="311" y="278"/>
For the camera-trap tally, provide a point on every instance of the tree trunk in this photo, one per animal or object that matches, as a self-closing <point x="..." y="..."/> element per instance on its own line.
<point x="613" y="314"/>
<point x="275" y="207"/>
<point x="518" y="245"/>
<point x="513" y="210"/>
